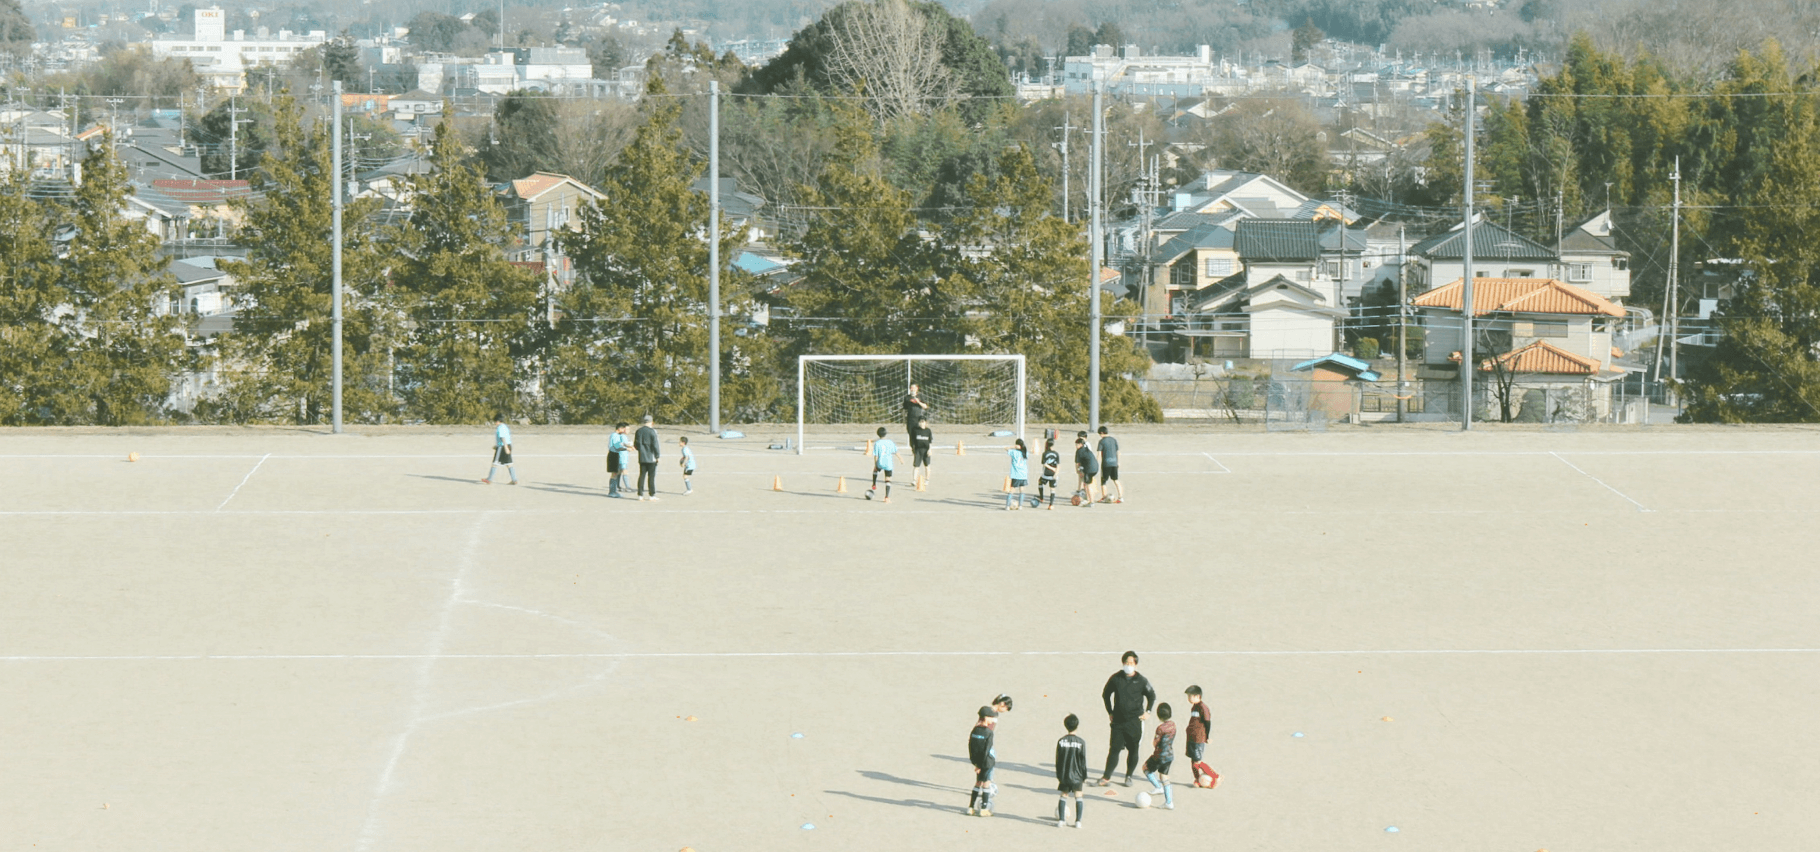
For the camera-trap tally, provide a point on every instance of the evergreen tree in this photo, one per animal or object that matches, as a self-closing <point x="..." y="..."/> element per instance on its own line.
<point x="1029" y="270"/>
<point x="114" y="357"/>
<point x="30" y="295"/>
<point x="634" y="336"/>
<point x="472" y="343"/>
<point x="277" y="358"/>
<point x="869" y="283"/>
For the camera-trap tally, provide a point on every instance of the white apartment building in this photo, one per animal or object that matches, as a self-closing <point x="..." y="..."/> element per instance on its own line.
<point x="222" y="60"/>
<point x="1132" y="73"/>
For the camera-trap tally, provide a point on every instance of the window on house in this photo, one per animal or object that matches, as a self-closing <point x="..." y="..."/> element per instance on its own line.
<point x="1538" y="329"/>
<point x="1620" y="263"/>
<point x="1217" y="267"/>
<point x="1304" y="274"/>
<point x="1519" y="273"/>
<point x="1579" y="272"/>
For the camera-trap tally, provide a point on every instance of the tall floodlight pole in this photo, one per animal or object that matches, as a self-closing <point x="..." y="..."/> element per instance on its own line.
<point x="1094" y="180"/>
<point x="335" y="267"/>
<point x="714" y="256"/>
<point x="1466" y="363"/>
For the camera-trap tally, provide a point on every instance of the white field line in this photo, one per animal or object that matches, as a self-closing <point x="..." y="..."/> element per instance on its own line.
<point x="431" y="658"/>
<point x="781" y="454"/>
<point x="1640" y="506"/>
<point x="978" y="503"/>
<point x="243" y="481"/>
<point x="1223" y="467"/>
<point x="470" y="555"/>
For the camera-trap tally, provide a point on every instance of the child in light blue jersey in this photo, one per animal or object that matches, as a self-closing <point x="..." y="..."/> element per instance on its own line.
<point x="502" y="450"/>
<point x="1020" y="475"/>
<point x="688" y="465"/>
<point x="884" y="459"/>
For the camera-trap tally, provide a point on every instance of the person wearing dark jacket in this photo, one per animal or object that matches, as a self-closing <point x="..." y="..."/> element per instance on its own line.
<point x="915" y="411"/>
<point x="983" y="757"/>
<point x="1070" y="772"/>
<point x="646" y="444"/>
<point x="1128" y="698"/>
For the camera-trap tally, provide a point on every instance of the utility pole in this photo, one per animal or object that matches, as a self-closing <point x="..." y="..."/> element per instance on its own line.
<point x="1067" y="129"/>
<point x="1466" y="305"/>
<point x="234" y="132"/>
<point x="714" y="256"/>
<point x="1093" y="274"/>
<point x="1674" y="284"/>
<point x="335" y="265"/>
<point x="1145" y="196"/>
<point x="1402" y="325"/>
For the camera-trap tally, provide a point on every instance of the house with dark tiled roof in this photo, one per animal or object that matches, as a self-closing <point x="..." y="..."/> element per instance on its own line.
<point x="1497" y="252"/>
<point x="180" y="211"/>
<point x="1590" y="258"/>
<point x="1530" y="334"/>
<point x="1284" y="301"/>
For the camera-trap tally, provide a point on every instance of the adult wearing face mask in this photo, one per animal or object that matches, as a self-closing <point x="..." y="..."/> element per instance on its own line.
<point x="1128" y="698"/>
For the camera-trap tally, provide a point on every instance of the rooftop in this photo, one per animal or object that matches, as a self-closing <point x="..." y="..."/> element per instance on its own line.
<point x="1519" y="295"/>
<point x="1544" y="357"/>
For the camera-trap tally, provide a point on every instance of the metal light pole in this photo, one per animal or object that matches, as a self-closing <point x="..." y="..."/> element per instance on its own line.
<point x="335" y="263"/>
<point x="714" y="256"/>
<point x="1466" y="364"/>
<point x="1093" y="274"/>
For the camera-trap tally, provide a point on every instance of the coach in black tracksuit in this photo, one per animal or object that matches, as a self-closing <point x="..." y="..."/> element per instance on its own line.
<point x="1128" y="697"/>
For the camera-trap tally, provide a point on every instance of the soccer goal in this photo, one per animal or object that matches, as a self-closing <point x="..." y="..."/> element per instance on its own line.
<point x="869" y="390"/>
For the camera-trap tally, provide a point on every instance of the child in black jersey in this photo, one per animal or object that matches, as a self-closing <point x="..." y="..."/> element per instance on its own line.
<point x="1156" y="769"/>
<point x="1070" y="772"/>
<point x="983" y="758"/>
<point x="1051" y="461"/>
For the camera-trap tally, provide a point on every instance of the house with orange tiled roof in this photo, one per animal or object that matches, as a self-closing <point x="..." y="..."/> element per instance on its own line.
<point x="542" y="204"/>
<point x="1543" y="347"/>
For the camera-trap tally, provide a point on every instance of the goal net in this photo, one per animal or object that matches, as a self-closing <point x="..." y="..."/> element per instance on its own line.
<point x="869" y="390"/>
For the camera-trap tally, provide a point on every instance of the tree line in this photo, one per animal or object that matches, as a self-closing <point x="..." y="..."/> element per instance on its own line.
<point x="441" y="328"/>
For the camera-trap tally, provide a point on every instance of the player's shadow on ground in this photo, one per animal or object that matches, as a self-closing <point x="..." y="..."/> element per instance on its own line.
<point x="566" y="488"/>
<point x="1003" y="765"/>
<point x="928" y="805"/>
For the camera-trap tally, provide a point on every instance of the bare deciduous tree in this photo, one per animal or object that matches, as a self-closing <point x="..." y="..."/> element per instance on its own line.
<point x="889" y="51"/>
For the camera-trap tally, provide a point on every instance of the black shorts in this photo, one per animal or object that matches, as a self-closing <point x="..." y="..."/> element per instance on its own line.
<point x="1159" y="767"/>
<point x="921" y="457"/>
<point x="612" y="462"/>
<point x="1047" y="480"/>
<point x="1196" y="751"/>
<point x="1109" y="474"/>
<point x="1067" y="787"/>
<point x="983" y="774"/>
<point x="884" y="470"/>
<point x="501" y="455"/>
<point x="1019" y="483"/>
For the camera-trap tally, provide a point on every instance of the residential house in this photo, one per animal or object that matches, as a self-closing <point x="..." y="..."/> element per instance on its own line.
<point x="740" y="208"/>
<point x="188" y="216"/>
<point x="539" y="206"/>
<point x="202" y="289"/>
<point x="1497" y="252"/>
<point x="1287" y="300"/>
<point x="1532" y="334"/>
<point x="1590" y="258"/>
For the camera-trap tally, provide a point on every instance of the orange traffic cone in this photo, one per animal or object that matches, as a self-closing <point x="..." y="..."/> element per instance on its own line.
<point x="841" y="486"/>
<point x="1007" y="485"/>
<point x="922" y="484"/>
<point x="960" y="448"/>
<point x="777" y="483"/>
<point x="868" y="446"/>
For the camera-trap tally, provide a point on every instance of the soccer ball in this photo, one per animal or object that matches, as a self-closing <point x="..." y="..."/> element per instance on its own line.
<point x="1207" y="780"/>
<point x="1143" y="800"/>
<point x="1076" y="499"/>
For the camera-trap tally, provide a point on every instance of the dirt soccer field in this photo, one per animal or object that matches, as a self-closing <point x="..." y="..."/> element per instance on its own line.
<point x="280" y="640"/>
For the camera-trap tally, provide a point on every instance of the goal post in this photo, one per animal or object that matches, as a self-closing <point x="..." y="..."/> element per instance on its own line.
<point x="869" y="390"/>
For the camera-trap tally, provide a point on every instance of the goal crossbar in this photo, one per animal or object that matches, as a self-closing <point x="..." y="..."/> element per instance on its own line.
<point x="910" y="362"/>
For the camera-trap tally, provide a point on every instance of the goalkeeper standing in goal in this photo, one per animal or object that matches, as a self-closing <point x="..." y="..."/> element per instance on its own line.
<point x="884" y="458"/>
<point x="915" y="412"/>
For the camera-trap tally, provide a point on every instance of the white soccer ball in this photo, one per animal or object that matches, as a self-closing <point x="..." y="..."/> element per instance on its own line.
<point x="1143" y="800"/>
